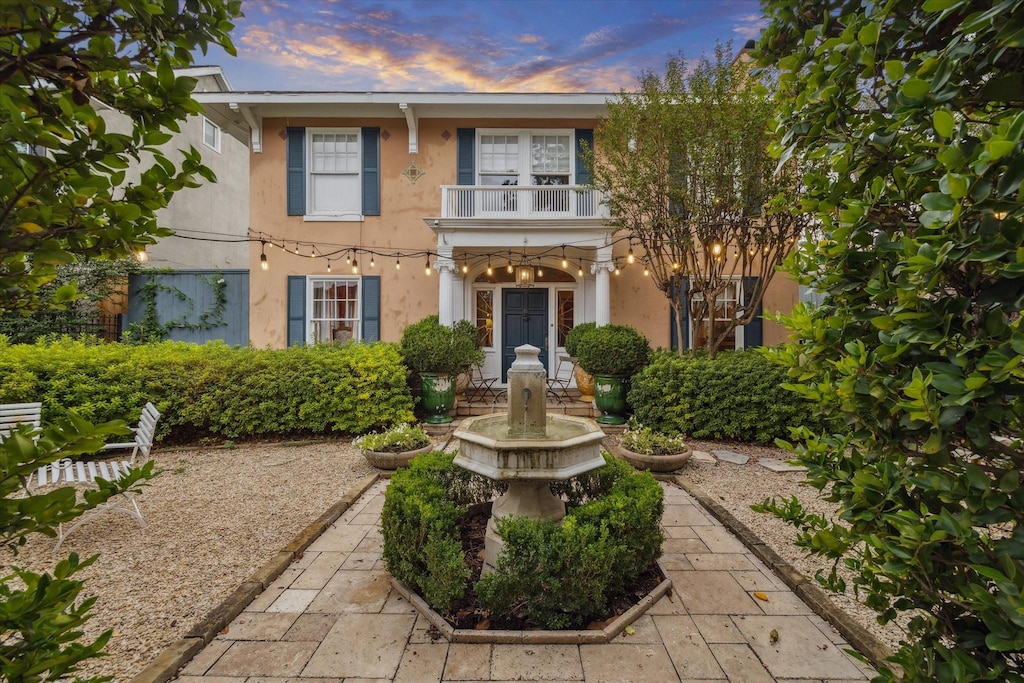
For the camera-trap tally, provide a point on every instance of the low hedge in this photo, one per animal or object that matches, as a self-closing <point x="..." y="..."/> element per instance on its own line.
<point x="213" y="389"/>
<point x="555" y="575"/>
<point x="736" y="395"/>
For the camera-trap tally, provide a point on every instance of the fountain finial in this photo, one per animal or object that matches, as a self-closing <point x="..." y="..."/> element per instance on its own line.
<point x="527" y="379"/>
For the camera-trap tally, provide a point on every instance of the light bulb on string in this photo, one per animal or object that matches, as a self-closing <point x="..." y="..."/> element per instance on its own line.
<point x="373" y="263"/>
<point x="312" y="252"/>
<point x="328" y="265"/>
<point x="490" y="270"/>
<point x="617" y="269"/>
<point x="647" y="271"/>
<point x="398" y="264"/>
<point x="355" y="267"/>
<point x="427" y="268"/>
<point x="580" y="271"/>
<point x="630" y="259"/>
<point x="141" y="256"/>
<point x="264" y="265"/>
<point x="565" y="262"/>
<point x="465" y="267"/>
<point x="348" y="258"/>
<point x="540" y="271"/>
<point x="509" y="268"/>
<point x="296" y="248"/>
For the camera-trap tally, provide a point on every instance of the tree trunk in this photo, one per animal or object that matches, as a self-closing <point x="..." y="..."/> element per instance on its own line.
<point x="677" y="306"/>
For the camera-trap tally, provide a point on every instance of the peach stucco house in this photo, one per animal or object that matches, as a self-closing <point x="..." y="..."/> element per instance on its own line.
<point x="467" y="183"/>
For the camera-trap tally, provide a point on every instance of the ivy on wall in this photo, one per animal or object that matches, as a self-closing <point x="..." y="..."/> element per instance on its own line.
<point x="149" y="329"/>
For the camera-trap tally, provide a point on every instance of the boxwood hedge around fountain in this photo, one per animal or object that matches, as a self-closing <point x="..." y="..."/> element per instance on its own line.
<point x="549" y="575"/>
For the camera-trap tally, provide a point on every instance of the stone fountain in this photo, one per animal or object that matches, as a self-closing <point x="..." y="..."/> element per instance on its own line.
<point x="528" y="449"/>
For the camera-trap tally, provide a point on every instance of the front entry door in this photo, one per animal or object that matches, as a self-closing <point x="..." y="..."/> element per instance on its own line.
<point x="524" y="321"/>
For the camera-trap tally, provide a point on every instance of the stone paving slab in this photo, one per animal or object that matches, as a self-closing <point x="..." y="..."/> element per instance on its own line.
<point x="774" y="465"/>
<point x="730" y="456"/>
<point x="333" y="617"/>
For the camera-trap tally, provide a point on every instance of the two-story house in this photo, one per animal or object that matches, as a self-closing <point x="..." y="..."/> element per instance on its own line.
<point x="369" y="211"/>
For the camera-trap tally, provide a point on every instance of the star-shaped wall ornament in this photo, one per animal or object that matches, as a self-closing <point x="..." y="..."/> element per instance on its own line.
<point x="414" y="172"/>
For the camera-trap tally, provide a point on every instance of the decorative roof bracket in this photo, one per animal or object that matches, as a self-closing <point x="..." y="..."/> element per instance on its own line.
<point x="410" y="118"/>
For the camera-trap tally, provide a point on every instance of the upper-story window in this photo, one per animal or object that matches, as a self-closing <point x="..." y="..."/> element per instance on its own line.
<point x="211" y="134"/>
<point x="526" y="157"/>
<point x="334" y="184"/>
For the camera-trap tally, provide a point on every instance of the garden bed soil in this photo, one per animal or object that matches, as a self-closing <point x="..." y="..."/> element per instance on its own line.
<point x="467" y="613"/>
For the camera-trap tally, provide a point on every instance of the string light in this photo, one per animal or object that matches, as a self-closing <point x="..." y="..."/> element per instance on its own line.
<point x="465" y="267"/>
<point x="580" y="271"/>
<point x="647" y="271"/>
<point x="141" y="255"/>
<point x="510" y="268"/>
<point x="263" y="256"/>
<point x="355" y="267"/>
<point x="398" y="264"/>
<point x="617" y="269"/>
<point x="630" y="259"/>
<point x="373" y="263"/>
<point x="540" y="272"/>
<point x="565" y="262"/>
<point x="427" y="268"/>
<point x="312" y="252"/>
<point x="328" y="265"/>
<point x="296" y="248"/>
<point x="490" y="271"/>
<point x="348" y="258"/>
<point x="716" y="249"/>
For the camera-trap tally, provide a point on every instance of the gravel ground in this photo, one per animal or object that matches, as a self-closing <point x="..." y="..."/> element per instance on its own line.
<point x="213" y="517"/>
<point x="216" y="515"/>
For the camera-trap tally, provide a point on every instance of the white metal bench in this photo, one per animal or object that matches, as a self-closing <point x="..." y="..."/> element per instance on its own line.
<point x="69" y="471"/>
<point x="13" y="415"/>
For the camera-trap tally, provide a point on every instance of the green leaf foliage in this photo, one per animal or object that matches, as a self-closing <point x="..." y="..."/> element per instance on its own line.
<point x="735" y="395"/>
<point x="41" y="615"/>
<point x="213" y="388"/>
<point x="429" y="346"/>
<point x="555" y="575"/>
<point x="918" y="344"/>
<point x="65" y="69"/>
<point x="611" y="349"/>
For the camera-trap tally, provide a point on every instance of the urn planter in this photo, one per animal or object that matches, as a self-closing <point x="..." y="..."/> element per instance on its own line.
<point x="438" y="396"/>
<point x="654" y="463"/>
<point x="392" y="461"/>
<point x="610" y="398"/>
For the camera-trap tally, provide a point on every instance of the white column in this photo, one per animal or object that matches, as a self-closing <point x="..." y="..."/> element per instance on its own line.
<point x="602" y="294"/>
<point x="445" y="267"/>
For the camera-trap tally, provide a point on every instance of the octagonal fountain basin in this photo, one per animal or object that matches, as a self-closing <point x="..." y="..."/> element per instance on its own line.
<point x="568" y="447"/>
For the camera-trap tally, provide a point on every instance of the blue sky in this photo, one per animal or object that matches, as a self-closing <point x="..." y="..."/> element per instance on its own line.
<point x="482" y="45"/>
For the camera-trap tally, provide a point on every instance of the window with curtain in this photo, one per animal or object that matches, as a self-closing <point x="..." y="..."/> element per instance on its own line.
<point x="335" y="309"/>
<point x="334" y="165"/>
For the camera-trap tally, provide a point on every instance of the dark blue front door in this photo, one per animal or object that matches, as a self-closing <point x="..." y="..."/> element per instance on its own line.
<point x="524" y="321"/>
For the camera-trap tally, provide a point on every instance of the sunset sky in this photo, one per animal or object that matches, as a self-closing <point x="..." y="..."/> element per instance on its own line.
<point x="482" y="45"/>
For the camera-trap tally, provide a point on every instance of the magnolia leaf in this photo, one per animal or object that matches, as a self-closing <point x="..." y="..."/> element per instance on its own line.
<point x="943" y="122"/>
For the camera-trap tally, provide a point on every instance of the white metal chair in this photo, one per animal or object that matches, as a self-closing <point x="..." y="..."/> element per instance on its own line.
<point x="558" y="386"/>
<point x="13" y="415"/>
<point x="69" y="471"/>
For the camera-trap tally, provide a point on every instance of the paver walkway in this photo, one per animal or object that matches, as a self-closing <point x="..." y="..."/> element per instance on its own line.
<point x="333" y="617"/>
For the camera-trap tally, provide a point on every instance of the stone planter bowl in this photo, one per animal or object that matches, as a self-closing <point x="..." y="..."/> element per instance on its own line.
<point x="654" y="463"/>
<point x="392" y="461"/>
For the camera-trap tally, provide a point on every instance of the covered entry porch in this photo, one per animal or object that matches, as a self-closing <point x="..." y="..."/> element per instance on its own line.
<point x="520" y="283"/>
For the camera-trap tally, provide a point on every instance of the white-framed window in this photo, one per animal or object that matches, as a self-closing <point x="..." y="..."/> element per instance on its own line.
<point x="526" y="157"/>
<point x="211" y="134"/>
<point x="728" y="300"/>
<point x="333" y="165"/>
<point x="333" y="310"/>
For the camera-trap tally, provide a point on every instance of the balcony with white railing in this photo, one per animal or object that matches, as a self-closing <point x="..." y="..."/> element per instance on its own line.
<point x="522" y="202"/>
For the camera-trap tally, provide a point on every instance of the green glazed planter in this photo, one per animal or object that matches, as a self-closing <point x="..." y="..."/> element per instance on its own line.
<point x="610" y="399"/>
<point x="438" y="396"/>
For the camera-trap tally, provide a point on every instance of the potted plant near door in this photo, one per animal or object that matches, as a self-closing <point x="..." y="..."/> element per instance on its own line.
<point x="437" y="354"/>
<point x="584" y="380"/>
<point x="612" y="354"/>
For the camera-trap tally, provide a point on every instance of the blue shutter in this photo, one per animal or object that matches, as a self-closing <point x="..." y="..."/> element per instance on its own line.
<point x="584" y="138"/>
<point x="753" y="333"/>
<point x="296" y="162"/>
<point x="679" y="287"/>
<point x="371" y="308"/>
<point x="371" y="171"/>
<point x="296" y="310"/>
<point x="466" y="152"/>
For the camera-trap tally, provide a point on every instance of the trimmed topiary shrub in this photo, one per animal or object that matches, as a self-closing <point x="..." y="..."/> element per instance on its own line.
<point x="575" y="335"/>
<point x="429" y="346"/>
<point x="736" y="395"/>
<point x="213" y="388"/>
<point x="554" y="575"/>
<point x="617" y="350"/>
